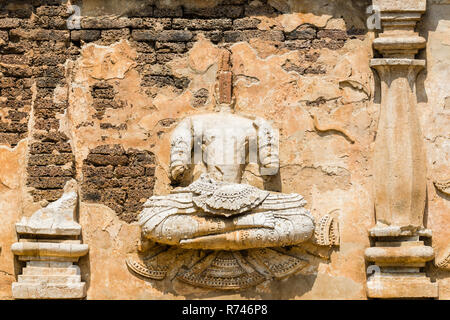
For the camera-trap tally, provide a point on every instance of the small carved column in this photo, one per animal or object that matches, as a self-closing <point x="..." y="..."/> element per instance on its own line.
<point x="49" y="244"/>
<point x="399" y="161"/>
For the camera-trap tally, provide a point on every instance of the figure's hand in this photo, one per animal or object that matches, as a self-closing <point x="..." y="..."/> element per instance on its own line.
<point x="266" y="219"/>
<point x="256" y="220"/>
<point x="177" y="171"/>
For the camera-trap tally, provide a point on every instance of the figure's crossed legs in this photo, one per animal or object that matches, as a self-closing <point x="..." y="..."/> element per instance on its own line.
<point x="252" y="230"/>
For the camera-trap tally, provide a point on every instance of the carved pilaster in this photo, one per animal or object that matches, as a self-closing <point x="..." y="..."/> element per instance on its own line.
<point x="399" y="254"/>
<point x="399" y="158"/>
<point x="49" y="244"/>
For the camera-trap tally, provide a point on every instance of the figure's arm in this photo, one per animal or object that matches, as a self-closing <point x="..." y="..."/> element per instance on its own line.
<point x="181" y="143"/>
<point x="268" y="147"/>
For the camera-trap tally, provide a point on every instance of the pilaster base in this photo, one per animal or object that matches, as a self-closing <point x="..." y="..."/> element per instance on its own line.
<point x="401" y="286"/>
<point x="398" y="259"/>
<point x="49" y="280"/>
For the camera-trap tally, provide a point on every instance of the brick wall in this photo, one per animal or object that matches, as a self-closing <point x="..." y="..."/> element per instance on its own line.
<point x="122" y="180"/>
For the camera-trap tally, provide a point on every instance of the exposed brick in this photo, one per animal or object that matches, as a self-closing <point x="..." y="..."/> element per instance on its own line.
<point x="15" y="70"/>
<point x="14" y="115"/>
<point x="20" y="10"/>
<point x="94" y="195"/>
<point x="9" y="23"/>
<point x="92" y="171"/>
<point x="14" y="59"/>
<point x="162" y="81"/>
<point x="85" y="35"/>
<point x="245" y="35"/>
<point x="52" y="11"/>
<point x="333" y="34"/>
<point x="246" y="23"/>
<point x="103" y="104"/>
<point x="57" y="23"/>
<point x="155" y="69"/>
<point x="49" y="71"/>
<point x="224" y="2"/>
<point x="200" y="97"/>
<point x="106" y="126"/>
<point x="103" y="93"/>
<point x="141" y="157"/>
<point x="163" y="36"/>
<point x="151" y="23"/>
<point x="111" y="36"/>
<point x="48" y="82"/>
<point x="100" y="182"/>
<point x="327" y="43"/>
<point x="298" y="44"/>
<point x="40" y="34"/>
<point x="143" y="47"/>
<point x="163" y="58"/>
<point x="14" y="104"/>
<point x="48" y="159"/>
<point x="116" y="194"/>
<point x="304" y="32"/>
<point x="47" y="194"/>
<point x="133" y="183"/>
<point x="49" y="147"/>
<point x="104" y="160"/>
<point x="51" y="136"/>
<point x="122" y="187"/>
<point x="4" y="37"/>
<point x="130" y="171"/>
<point x="229" y="11"/>
<point x="8" y="82"/>
<point x="213" y="36"/>
<point x="49" y="171"/>
<point x="46" y="102"/>
<point x="138" y="196"/>
<point x="9" y="138"/>
<point x="49" y="59"/>
<point x="116" y="150"/>
<point x="149" y="58"/>
<point x="202" y="24"/>
<point x="104" y="22"/>
<point x="14" y="93"/>
<point x="47" y="182"/>
<point x="13" y="127"/>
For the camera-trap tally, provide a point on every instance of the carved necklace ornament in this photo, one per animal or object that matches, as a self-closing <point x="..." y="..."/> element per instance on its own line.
<point x="226" y="199"/>
<point x="230" y="234"/>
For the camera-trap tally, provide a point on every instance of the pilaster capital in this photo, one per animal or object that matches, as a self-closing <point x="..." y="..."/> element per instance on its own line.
<point x="398" y="20"/>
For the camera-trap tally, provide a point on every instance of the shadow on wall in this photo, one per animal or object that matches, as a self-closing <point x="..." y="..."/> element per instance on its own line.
<point x="290" y="288"/>
<point x="353" y="12"/>
<point x="435" y="14"/>
<point x="85" y="268"/>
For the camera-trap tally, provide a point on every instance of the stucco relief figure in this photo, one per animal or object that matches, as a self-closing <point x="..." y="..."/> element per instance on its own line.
<point x="217" y="211"/>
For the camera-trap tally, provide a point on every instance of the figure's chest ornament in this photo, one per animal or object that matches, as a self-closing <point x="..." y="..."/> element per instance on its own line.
<point x="224" y="199"/>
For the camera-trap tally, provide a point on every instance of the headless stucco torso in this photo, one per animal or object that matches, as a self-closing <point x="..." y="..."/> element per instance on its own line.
<point x="221" y="144"/>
